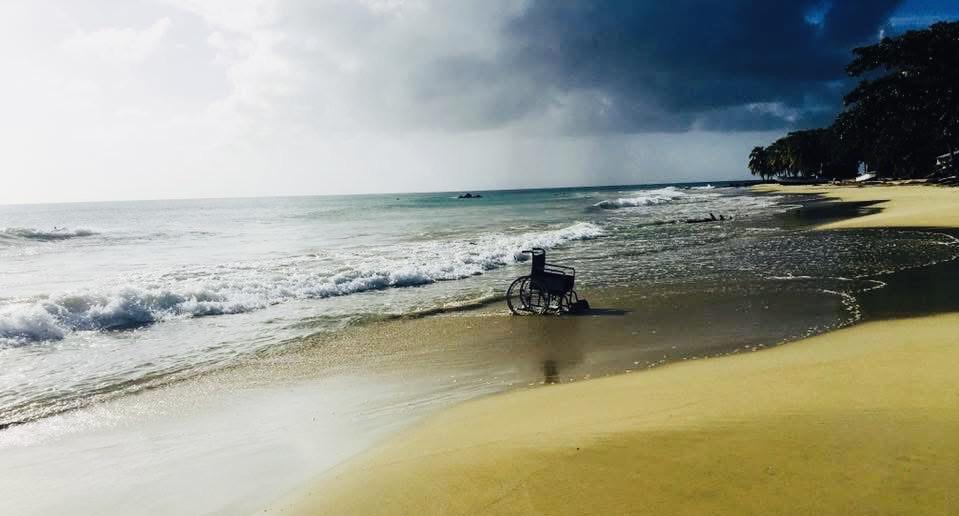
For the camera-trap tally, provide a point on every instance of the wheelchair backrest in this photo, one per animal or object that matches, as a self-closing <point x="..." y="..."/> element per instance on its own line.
<point x="539" y="260"/>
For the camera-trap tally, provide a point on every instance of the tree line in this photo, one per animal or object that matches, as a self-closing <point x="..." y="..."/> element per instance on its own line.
<point x="902" y="115"/>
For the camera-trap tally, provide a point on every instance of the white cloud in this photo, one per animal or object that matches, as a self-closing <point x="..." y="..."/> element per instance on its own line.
<point x="232" y="15"/>
<point x="120" y="45"/>
<point x="369" y="65"/>
<point x="777" y="109"/>
<point x="267" y="97"/>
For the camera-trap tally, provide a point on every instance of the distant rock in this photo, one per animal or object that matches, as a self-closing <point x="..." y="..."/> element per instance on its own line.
<point x="470" y="196"/>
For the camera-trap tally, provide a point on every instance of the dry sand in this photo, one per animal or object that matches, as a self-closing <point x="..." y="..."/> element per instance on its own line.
<point x="864" y="420"/>
<point x="912" y="205"/>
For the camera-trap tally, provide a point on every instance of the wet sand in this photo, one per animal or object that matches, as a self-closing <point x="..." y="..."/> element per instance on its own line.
<point x="863" y="420"/>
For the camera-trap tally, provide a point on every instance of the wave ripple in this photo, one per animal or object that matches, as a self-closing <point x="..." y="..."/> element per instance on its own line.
<point x="648" y="198"/>
<point x="243" y="287"/>
<point x="41" y="235"/>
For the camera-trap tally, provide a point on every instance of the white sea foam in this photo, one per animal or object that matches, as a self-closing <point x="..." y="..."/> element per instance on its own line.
<point x="645" y="198"/>
<point x="28" y="323"/>
<point x="243" y="287"/>
<point x="674" y="203"/>
<point x="14" y="233"/>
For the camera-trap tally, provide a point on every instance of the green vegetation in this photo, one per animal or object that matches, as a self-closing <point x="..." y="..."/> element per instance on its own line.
<point x="902" y="115"/>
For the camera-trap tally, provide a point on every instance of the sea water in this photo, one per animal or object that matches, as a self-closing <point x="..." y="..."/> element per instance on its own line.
<point x="100" y="300"/>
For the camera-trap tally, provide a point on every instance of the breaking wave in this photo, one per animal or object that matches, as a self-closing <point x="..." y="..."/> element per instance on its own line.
<point x="646" y="198"/>
<point x="243" y="287"/>
<point x="43" y="235"/>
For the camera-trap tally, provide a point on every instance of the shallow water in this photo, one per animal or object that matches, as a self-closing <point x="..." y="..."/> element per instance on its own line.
<point x="100" y="300"/>
<point x="221" y="296"/>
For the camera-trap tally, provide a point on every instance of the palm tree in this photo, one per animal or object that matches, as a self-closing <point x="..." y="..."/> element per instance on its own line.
<point x="902" y="114"/>
<point x="759" y="163"/>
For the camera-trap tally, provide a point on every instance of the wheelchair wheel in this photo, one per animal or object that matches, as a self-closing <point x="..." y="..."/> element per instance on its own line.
<point x="560" y="304"/>
<point x="554" y="304"/>
<point x="537" y="299"/>
<point x="568" y="301"/>
<point x="517" y="296"/>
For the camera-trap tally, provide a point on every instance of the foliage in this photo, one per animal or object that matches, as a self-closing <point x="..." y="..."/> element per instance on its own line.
<point x="813" y="154"/>
<point x="902" y="114"/>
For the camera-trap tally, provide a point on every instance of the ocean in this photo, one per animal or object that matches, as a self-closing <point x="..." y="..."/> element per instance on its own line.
<point x="99" y="300"/>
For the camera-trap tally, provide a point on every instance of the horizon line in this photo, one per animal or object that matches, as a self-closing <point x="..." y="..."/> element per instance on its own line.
<point x="358" y="194"/>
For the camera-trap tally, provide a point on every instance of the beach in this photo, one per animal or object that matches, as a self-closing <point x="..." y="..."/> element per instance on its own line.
<point x="860" y="420"/>
<point x="885" y="205"/>
<point x="208" y="356"/>
<point x="508" y="257"/>
<point x="242" y="354"/>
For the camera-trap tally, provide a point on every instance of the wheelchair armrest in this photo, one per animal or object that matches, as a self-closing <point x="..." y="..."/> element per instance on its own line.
<point x="561" y="269"/>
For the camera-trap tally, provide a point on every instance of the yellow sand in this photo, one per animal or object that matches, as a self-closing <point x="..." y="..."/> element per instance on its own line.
<point x="913" y="205"/>
<point x="864" y="420"/>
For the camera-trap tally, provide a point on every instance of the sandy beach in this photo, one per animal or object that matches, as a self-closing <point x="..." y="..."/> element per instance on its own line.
<point x="886" y="206"/>
<point x="490" y="257"/>
<point x="862" y="420"/>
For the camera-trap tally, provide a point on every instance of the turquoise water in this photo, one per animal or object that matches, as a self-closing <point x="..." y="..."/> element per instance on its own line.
<point x="103" y="299"/>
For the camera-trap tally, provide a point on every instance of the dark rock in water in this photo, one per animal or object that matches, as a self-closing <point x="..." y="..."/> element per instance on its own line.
<point x="710" y="218"/>
<point x="470" y="196"/>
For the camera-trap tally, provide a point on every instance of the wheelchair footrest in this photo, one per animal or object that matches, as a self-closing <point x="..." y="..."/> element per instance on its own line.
<point x="579" y="307"/>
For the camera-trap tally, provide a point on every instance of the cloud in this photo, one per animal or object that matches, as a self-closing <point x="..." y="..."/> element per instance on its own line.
<point x="244" y="97"/>
<point x="118" y="45"/>
<point x="569" y="67"/>
<point x="689" y="59"/>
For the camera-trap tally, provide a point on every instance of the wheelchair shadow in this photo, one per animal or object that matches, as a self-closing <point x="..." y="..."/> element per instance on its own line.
<point x="602" y="311"/>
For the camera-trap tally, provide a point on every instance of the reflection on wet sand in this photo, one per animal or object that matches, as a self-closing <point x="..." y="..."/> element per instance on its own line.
<point x="628" y="331"/>
<point x="550" y="372"/>
<point x="558" y="352"/>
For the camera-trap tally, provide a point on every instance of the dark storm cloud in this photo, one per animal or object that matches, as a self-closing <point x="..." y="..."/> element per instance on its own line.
<point x="657" y="65"/>
<point x="570" y="66"/>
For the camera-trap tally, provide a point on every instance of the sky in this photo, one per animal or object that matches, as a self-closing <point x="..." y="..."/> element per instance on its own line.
<point x="151" y="99"/>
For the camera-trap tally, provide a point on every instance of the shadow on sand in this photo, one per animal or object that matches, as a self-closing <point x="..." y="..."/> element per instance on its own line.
<point x="826" y="211"/>
<point x="603" y="311"/>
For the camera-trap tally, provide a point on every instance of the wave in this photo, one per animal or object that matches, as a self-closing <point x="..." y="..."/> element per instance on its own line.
<point x="16" y="233"/>
<point x="646" y="198"/>
<point x="704" y="187"/>
<point x="244" y="287"/>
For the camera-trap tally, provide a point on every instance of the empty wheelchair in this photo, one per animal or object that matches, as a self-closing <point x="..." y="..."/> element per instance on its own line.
<point x="547" y="289"/>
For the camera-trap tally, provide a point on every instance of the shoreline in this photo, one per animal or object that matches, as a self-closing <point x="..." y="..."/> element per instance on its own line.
<point x="872" y="405"/>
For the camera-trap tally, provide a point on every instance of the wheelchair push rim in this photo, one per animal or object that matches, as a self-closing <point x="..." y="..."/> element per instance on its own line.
<point x="525" y="296"/>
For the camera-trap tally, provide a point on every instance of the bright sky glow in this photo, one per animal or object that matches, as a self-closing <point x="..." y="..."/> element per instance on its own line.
<point x="142" y="99"/>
